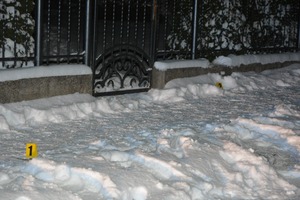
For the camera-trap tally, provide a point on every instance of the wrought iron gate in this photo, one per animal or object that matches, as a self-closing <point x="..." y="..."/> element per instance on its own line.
<point x="122" y="49"/>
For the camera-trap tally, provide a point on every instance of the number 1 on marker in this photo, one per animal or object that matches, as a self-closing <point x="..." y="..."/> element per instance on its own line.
<point x="31" y="150"/>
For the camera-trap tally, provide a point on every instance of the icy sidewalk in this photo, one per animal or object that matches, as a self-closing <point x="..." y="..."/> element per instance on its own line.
<point x="193" y="142"/>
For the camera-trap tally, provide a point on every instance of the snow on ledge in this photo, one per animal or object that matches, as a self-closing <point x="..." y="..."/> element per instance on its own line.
<point x="174" y="64"/>
<point x="44" y="71"/>
<point x="235" y="61"/>
<point x="230" y="60"/>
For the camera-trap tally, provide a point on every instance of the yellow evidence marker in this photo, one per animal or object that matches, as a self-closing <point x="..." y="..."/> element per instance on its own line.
<point x="31" y="150"/>
<point x="219" y="85"/>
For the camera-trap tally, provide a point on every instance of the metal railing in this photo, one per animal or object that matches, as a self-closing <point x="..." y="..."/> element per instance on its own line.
<point x="63" y="30"/>
<point x="202" y="28"/>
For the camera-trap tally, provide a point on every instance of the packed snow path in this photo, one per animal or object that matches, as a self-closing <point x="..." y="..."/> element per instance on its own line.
<point x="194" y="142"/>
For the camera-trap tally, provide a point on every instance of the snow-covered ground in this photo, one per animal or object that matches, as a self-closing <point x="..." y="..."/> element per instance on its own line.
<point x="191" y="140"/>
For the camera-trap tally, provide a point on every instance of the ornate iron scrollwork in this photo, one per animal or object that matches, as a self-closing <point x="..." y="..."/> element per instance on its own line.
<point x="122" y="68"/>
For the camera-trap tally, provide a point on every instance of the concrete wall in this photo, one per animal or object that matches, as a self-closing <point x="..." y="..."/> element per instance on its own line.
<point x="35" y="88"/>
<point x="160" y="78"/>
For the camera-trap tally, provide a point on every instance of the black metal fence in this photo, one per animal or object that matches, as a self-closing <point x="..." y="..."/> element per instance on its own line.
<point x="40" y="32"/>
<point x="202" y="28"/>
<point x="62" y="31"/>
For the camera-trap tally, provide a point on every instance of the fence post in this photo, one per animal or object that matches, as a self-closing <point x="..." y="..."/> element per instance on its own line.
<point x="38" y="39"/>
<point x="194" y="28"/>
<point x="153" y="30"/>
<point x="87" y="45"/>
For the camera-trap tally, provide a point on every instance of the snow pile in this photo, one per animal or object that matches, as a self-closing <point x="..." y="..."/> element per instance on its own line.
<point x="235" y="61"/>
<point x="59" y="109"/>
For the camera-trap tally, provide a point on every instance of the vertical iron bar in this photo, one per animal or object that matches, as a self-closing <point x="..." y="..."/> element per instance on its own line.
<point x="298" y="38"/>
<point x="128" y="20"/>
<point x="3" y="44"/>
<point x="15" y="38"/>
<point x="153" y="31"/>
<point x="87" y="33"/>
<point x="136" y="21"/>
<point x="122" y="19"/>
<point x="26" y="30"/>
<point x="69" y="32"/>
<point x="58" y="30"/>
<point x="144" y="24"/>
<point x="166" y="28"/>
<point x="48" y="30"/>
<point x="78" y="30"/>
<point x="38" y="39"/>
<point x="201" y="21"/>
<point x="113" y="23"/>
<point x="194" y="28"/>
<point x="105" y="25"/>
<point x="95" y="41"/>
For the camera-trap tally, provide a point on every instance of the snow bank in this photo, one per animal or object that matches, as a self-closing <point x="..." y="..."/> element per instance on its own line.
<point x="44" y="71"/>
<point x="235" y="61"/>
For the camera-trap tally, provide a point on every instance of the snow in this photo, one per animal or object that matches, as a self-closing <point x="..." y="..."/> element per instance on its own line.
<point x="237" y="60"/>
<point x="173" y="64"/>
<point x="230" y="60"/>
<point x="44" y="71"/>
<point x="190" y="140"/>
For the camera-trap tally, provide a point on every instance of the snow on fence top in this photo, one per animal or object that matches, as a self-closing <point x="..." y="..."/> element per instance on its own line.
<point x="230" y="60"/>
<point x="173" y="64"/>
<point x="44" y="71"/>
<point x="235" y="61"/>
